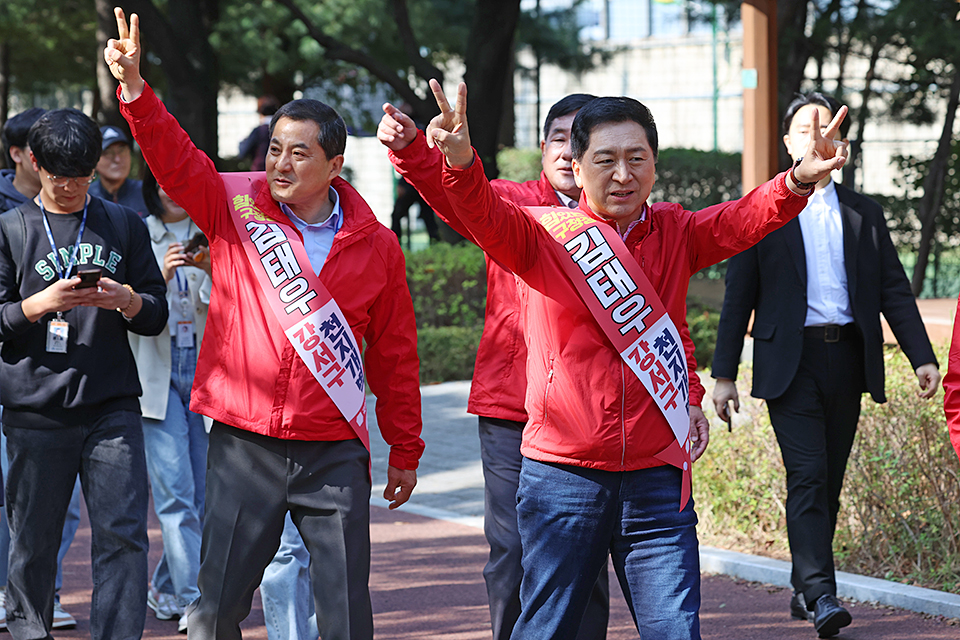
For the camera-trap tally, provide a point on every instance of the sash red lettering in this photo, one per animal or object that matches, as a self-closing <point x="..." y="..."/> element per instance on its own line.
<point x="631" y="314"/>
<point x="307" y="313"/>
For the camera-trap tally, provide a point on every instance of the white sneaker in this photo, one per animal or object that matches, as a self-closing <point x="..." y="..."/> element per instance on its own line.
<point x="182" y="625"/>
<point x="3" y="610"/>
<point x="164" y="605"/>
<point x="62" y="619"/>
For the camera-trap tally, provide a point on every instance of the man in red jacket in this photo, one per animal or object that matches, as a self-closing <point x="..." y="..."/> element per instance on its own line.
<point x="280" y="370"/>
<point x="499" y="380"/>
<point x="606" y="453"/>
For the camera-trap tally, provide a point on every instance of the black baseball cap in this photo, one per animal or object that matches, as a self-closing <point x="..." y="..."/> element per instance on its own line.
<point x="112" y="135"/>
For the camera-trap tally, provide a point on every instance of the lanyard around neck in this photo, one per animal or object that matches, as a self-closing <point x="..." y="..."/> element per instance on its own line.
<point x="65" y="273"/>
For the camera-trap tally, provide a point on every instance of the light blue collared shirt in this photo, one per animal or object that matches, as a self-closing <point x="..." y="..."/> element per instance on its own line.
<point x="828" y="301"/>
<point x="318" y="237"/>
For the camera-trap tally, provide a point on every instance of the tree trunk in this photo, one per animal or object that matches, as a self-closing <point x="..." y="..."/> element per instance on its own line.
<point x="933" y="187"/>
<point x="106" y="106"/>
<point x="508" y="121"/>
<point x="181" y="39"/>
<point x="856" y="147"/>
<point x="488" y="57"/>
<point x="4" y="87"/>
<point x="793" y="51"/>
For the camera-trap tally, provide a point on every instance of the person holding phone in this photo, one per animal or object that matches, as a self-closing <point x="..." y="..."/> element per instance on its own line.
<point x="69" y="383"/>
<point x="175" y="438"/>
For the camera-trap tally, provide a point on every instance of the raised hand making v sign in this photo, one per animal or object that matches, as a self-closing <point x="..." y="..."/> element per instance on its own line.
<point x="123" y="56"/>
<point x="597" y="443"/>
<point x="449" y="130"/>
<point x="286" y="248"/>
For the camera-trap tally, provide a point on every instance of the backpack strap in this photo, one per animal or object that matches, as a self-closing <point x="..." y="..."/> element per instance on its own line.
<point x="118" y="218"/>
<point x="15" y="230"/>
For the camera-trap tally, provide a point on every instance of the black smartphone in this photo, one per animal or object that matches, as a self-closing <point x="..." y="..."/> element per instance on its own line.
<point x="88" y="278"/>
<point x="197" y="241"/>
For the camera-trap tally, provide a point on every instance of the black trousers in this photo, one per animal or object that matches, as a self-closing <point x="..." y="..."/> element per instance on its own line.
<point x="252" y="482"/>
<point x="815" y="421"/>
<point x="500" y="453"/>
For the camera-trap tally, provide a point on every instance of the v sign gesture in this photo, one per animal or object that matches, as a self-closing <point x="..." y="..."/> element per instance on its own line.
<point x="123" y="56"/>
<point x="824" y="152"/>
<point x="449" y="129"/>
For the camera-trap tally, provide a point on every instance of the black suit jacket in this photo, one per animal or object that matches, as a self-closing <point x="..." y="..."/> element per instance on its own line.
<point x="771" y="279"/>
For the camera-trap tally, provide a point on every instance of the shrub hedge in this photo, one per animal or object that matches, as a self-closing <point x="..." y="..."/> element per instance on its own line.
<point x="900" y="507"/>
<point x="901" y="500"/>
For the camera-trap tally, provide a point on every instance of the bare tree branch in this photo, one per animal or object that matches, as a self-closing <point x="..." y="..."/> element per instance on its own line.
<point x="409" y="41"/>
<point x="337" y="50"/>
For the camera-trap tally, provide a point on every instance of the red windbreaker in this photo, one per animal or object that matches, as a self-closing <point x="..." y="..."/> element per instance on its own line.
<point x="951" y="385"/>
<point x="499" y="375"/>
<point x="248" y="374"/>
<point x="586" y="408"/>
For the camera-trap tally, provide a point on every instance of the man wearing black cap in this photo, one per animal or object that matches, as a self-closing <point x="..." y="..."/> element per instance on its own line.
<point x="113" y="171"/>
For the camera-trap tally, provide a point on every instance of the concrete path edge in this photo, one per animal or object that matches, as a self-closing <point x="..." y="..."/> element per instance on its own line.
<point x="849" y="585"/>
<point x="774" y="572"/>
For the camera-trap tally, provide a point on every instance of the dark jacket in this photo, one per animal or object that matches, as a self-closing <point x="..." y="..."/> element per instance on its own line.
<point x="130" y="195"/>
<point x="9" y="196"/>
<point x="771" y="279"/>
<point x="98" y="372"/>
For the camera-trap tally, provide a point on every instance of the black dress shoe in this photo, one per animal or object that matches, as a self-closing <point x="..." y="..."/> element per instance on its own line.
<point x="829" y="617"/>
<point x="798" y="607"/>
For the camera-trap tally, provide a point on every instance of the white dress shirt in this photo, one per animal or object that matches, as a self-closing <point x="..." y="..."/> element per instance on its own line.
<point x="828" y="300"/>
<point x="318" y="237"/>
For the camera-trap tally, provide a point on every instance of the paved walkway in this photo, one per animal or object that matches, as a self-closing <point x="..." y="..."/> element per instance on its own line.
<point x="428" y="556"/>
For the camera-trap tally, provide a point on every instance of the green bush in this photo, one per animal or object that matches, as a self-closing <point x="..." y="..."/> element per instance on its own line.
<point x="447" y="353"/>
<point x="902" y="497"/>
<point x="702" y="320"/>
<point x="519" y="165"/>
<point x="697" y="179"/>
<point x="900" y="507"/>
<point x="448" y="284"/>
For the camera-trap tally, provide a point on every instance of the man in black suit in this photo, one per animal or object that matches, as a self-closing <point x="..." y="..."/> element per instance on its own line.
<point x="817" y="287"/>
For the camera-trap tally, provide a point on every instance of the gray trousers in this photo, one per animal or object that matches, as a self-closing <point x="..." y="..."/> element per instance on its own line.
<point x="252" y="482"/>
<point x="500" y="453"/>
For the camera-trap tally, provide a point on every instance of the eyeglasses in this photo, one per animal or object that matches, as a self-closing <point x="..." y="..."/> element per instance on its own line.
<point x="82" y="181"/>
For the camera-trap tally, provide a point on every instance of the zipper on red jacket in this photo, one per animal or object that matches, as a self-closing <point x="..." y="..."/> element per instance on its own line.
<point x="623" y="409"/>
<point x="546" y="390"/>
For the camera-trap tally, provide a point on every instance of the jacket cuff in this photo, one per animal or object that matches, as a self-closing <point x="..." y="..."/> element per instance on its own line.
<point x="470" y="175"/>
<point x="780" y="187"/>
<point x="139" y="108"/>
<point x="402" y="459"/>
<point x="14" y="318"/>
<point x="411" y="153"/>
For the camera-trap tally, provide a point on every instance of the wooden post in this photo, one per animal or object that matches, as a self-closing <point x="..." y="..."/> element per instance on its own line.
<point x="760" y="117"/>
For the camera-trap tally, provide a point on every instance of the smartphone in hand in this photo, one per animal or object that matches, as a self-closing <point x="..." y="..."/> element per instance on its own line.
<point x="88" y="278"/>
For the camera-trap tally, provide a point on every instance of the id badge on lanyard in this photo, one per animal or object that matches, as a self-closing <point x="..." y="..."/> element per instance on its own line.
<point x="57" y="332"/>
<point x="185" y="338"/>
<point x="58" y="329"/>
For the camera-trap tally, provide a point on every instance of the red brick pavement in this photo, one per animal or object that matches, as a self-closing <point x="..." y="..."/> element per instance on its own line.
<point x="426" y="583"/>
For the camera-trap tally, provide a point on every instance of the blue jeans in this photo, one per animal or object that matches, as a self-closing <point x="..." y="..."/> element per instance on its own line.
<point x="288" y="609"/>
<point x="44" y="463"/>
<point x="571" y="517"/>
<point x="500" y="453"/>
<point x="176" y="449"/>
<point x="70" y="525"/>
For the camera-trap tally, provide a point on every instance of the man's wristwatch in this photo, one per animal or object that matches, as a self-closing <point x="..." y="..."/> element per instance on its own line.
<point x="793" y="175"/>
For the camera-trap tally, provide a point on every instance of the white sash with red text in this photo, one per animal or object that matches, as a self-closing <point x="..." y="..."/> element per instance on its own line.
<point x="307" y="313"/>
<point x="631" y="315"/>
